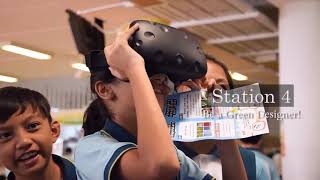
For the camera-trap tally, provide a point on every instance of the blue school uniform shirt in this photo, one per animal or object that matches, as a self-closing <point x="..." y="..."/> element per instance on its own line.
<point x="268" y="170"/>
<point x="67" y="168"/>
<point x="248" y="158"/>
<point x="97" y="154"/>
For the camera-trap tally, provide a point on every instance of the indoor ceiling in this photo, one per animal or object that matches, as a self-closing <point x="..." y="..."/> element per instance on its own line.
<point x="241" y="33"/>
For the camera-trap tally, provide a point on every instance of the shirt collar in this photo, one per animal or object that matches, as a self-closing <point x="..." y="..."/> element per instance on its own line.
<point x="67" y="168"/>
<point x="122" y="135"/>
<point x="118" y="132"/>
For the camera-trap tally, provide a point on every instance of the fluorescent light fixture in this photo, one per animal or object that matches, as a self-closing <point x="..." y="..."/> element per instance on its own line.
<point x="259" y="53"/>
<point x="25" y="52"/>
<point x="238" y="77"/>
<point x="80" y="66"/>
<point x="8" y="79"/>
<point x="126" y="4"/>
<point x="249" y="37"/>
<point x="215" y="20"/>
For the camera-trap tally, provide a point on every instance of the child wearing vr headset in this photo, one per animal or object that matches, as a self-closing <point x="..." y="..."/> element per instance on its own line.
<point x="126" y="135"/>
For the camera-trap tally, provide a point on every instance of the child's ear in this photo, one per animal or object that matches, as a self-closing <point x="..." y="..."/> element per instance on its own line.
<point x="104" y="91"/>
<point x="55" y="130"/>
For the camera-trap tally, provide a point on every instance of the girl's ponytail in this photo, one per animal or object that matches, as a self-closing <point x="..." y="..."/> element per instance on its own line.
<point x="94" y="117"/>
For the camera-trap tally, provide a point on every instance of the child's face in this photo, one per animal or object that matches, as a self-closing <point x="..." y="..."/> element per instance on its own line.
<point x="125" y="102"/>
<point x="26" y="142"/>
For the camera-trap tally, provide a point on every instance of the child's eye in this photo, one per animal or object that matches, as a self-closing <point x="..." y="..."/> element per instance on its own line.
<point x="33" y="126"/>
<point x="224" y="86"/>
<point x="5" y="136"/>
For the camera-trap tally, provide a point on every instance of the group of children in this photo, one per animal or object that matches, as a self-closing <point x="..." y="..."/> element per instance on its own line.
<point x="117" y="126"/>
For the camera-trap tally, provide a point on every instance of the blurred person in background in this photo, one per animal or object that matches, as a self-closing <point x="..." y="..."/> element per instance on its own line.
<point x="254" y="144"/>
<point x="220" y="158"/>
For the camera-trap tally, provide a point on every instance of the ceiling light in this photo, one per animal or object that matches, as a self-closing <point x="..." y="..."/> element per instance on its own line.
<point x="108" y="6"/>
<point x="215" y="20"/>
<point x="238" y="76"/>
<point x="8" y="79"/>
<point x="241" y="38"/>
<point x="24" y="51"/>
<point x="80" y="66"/>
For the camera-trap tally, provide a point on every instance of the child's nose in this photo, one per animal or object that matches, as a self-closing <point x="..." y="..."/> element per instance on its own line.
<point x="23" y="141"/>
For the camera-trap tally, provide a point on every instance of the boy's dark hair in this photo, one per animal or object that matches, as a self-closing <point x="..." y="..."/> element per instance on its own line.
<point x="14" y="99"/>
<point x="252" y="140"/>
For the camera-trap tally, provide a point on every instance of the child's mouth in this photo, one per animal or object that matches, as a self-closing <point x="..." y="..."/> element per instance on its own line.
<point x="29" y="159"/>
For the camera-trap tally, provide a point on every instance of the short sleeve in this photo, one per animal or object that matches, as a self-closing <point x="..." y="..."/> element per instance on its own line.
<point x="189" y="170"/>
<point x="263" y="172"/>
<point x="96" y="155"/>
<point x="249" y="161"/>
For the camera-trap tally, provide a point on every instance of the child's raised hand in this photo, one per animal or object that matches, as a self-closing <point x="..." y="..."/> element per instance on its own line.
<point x="121" y="57"/>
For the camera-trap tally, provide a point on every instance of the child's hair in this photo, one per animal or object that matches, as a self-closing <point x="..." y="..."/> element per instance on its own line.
<point x="225" y="69"/>
<point x="252" y="140"/>
<point x="14" y="99"/>
<point x="96" y="114"/>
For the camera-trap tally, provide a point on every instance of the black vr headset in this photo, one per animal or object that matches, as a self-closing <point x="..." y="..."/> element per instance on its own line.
<point x="165" y="50"/>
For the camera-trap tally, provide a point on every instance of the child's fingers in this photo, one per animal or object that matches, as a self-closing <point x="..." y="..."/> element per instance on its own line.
<point x="188" y="86"/>
<point x="192" y="85"/>
<point x="159" y="78"/>
<point x="127" y="34"/>
<point x="166" y="90"/>
<point x="211" y="83"/>
<point x="123" y="36"/>
<point x="183" y="88"/>
<point x="208" y="83"/>
<point x="198" y="82"/>
<point x="160" y="87"/>
<point x="156" y="87"/>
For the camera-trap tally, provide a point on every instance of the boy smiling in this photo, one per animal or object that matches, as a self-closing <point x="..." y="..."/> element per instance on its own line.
<point x="27" y="133"/>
